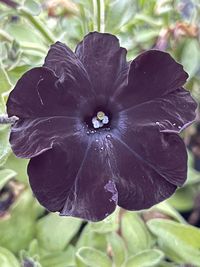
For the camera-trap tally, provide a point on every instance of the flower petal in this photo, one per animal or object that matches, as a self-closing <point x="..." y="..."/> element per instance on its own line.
<point x="66" y="65"/>
<point x="104" y="60"/>
<point x="164" y="152"/>
<point x="139" y="186"/>
<point x="152" y="74"/>
<point x="171" y="113"/>
<point x="76" y="183"/>
<point x="150" y="167"/>
<point x="39" y="93"/>
<point x="31" y="137"/>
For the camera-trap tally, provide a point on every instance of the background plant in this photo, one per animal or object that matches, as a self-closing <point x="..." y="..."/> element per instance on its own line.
<point x="166" y="235"/>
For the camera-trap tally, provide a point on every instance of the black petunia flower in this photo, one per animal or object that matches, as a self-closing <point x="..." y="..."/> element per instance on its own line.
<point x="101" y="131"/>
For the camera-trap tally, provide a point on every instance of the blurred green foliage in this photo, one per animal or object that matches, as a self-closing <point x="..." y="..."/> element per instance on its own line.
<point x="29" y="236"/>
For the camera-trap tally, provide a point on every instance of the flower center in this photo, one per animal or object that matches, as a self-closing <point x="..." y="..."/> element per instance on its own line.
<point x="100" y="120"/>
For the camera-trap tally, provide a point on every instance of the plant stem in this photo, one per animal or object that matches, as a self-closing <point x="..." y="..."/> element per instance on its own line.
<point x="32" y="46"/>
<point x="98" y="15"/>
<point x="102" y="16"/>
<point x="38" y="25"/>
<point x="5" y="36"/>
<point x="27" y="46"/>
<point x="4" y="119"/>
<point x="95" y="27"/>
<point x="84" y="20"/>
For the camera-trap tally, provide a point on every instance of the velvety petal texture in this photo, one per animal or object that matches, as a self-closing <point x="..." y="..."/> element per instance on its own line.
<point x="139" y="184"/>
<point x="104" y="60"/>
<point x="171" y="113"/>
<point x="42" y="134"/>
<point x="83" y="189"/>
<point x="67" y="66"/>
<point x="151" y="75"/>
<point x="48" y="111"/>
<point x="101" y="131"/>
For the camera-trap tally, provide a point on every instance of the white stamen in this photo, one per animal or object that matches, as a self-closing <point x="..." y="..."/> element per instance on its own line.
<point x="105" y="120"/>
<point x="96" y="123"/>
<point x="100" y="120"/>
<point x="100" y="115"/>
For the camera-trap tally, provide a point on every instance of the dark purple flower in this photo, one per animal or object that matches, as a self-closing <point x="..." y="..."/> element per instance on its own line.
<point x="101" y="131"/>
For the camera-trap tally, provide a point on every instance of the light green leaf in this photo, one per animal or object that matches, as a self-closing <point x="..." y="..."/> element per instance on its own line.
<point x="118" y="14"/>
<point x="167" y="209"/>
<point x="90" y="238"/>
<point x="193" y="176"/>
<point x="7" y="259"/>
<point x="2" y="109"/>
<point x="180" y="242"/>
<point x="59" y="259"/>
<point x="55" y="232"/>
<point x="20" y="31"/>
<point x="147" y="258"/>
<point x="5" y="84"/>
<point x="89" y="256"/>
<point x="5" y="176"/>
<point x="109" y="224"/>
<point x="183" y="199"/>
<point x="167" y="264"/>
<point x="146" y="35"/>
<point x="190" y="57"/>
<point x="38" y="25"/>
<point x="118" y="249"/>
<point x="19" y="166"/>
<point x="18" y="71"/>
<point x="135" y="233"/>
<point x="20" y="225"/>
<point x="33" y="248"/>
<point x="33" y="7"/>
<point x="142" y="18"/>
<point x="4" y="145"/>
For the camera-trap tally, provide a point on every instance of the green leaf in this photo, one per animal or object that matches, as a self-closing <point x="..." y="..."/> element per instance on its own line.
<point x="152" y="21"/>
<point x="19" y="166"/>
<point x="167" y="209"/>
<point x="18" y="71"/>
<point x="33" y="7"/>
<point x="193" y="176"/>
<point x="180" y="242"/>
<point x="89" y="256"/>
<point x="118" y="14"/>
<point x="33" y="248"/>
<point x="183" y="199"/>
<point x="4" y="81"/>
<point x="146" y="35"/>
<point x="109" y="224"/>
<point x="18" y="229"/>
<point x="135" y="233"/>
<point x="5" y="86"/>
<point x="4" y="145"/>
<point x="20" y="31"/>
<point x="38" y="25"/>
<point x="167" y="264"/>
<point x="2" y="110"/>
<point x="90" y="238"/>
<point x="118" y="249"/>
<point x="55" y="232"/>
<point x="5" y="176"/>
<point x="147" y="258"/>
<point x="191" y="56"/>
<point x="7" y="259"/>
<point x="59" y="259"/>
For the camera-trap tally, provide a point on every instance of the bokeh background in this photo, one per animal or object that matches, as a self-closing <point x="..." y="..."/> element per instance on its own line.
<point x="166" y="235"/>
